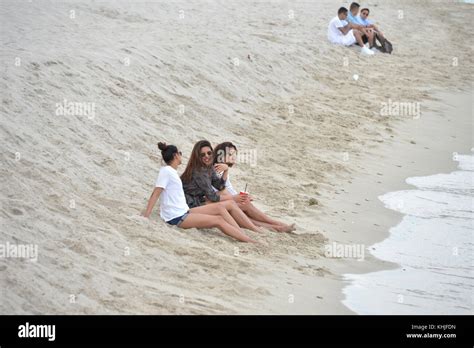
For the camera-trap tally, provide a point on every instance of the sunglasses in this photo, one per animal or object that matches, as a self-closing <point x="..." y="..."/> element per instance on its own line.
<point x="203" y="154"/>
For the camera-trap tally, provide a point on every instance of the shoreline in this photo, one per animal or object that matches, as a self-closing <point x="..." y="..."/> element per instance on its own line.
<point x="374" y="174"/>
<point x="437" y="135"/>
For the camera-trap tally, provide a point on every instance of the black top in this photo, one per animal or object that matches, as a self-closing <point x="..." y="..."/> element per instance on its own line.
<point x="201" y="186"/>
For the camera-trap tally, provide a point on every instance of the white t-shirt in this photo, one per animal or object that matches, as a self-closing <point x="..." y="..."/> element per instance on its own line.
<point x="172" y="200"/>
<point x="334" y="34"/>
<point x="228" y="185"/>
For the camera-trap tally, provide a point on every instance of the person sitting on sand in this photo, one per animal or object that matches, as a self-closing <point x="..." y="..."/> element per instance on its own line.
<point x="354" y="19"/>
<point x="173" y="207"/>
<point x="225" y="153"/>
<point x="353" y="11"/>
<point x="343" y="33"/>
<point x="198" y="179"/>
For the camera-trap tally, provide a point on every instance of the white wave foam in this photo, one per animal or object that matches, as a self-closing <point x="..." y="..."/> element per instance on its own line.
<point x="434" y="246"/>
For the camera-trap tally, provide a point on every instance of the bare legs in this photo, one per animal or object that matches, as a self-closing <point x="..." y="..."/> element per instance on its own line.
<point x="358" y="36"/>
<point x="198" y="220"/>
<point x="216" y="209"/>
<point x="370" y="36"/>
<point x="238" y="215"/>
<point x="380" y="37"/>
<point x="271" y="227"/>
<point x="260" y="219"/>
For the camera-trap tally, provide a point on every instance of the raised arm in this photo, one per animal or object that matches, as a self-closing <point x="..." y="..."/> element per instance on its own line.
<point x="216" y="181"/>
<point x="221" y="168"/>
<point x="152" y="201"/>
<point x="204" y="182"/>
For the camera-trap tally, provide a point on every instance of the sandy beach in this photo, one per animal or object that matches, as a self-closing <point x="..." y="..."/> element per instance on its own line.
<point x="90" y="88"/>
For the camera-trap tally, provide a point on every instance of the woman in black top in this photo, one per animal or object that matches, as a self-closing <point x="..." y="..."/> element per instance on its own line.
<point x="200" y="176"/>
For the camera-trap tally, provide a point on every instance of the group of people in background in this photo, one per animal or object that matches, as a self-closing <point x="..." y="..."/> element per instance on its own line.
<point x="353" y="26"/>
<point x="203" y="196"/>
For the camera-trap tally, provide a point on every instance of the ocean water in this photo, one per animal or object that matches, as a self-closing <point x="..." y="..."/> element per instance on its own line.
<point x="433" y="244"/>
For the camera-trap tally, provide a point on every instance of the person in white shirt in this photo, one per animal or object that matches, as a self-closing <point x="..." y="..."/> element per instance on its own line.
<point x="344" y="33"/>
<point x="173" y="207"/>
<point x="228" y="185"/>
<point x="225" y="157"/>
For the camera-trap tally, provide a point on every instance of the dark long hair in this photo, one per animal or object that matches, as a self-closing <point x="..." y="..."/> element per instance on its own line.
<point x="167" y="152"/>
<point x="195" y="160"/>
<point x="221" y="150"/>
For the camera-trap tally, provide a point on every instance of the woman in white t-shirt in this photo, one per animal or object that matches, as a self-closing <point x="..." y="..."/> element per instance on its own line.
<point x="173" y="207"/>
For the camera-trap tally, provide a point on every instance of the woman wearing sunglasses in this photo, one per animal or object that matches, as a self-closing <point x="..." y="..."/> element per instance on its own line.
<point x="173" y="207"/>
<point x="200" y="177"/>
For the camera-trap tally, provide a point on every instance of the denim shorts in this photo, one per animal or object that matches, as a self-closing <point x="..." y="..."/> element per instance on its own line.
<point x="178" y="220"/>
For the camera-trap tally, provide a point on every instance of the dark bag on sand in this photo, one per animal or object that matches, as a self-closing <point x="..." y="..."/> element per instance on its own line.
<point x="386" y="46"/>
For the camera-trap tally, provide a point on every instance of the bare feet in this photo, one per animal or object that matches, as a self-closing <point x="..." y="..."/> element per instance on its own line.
<point x="285" y="228"/>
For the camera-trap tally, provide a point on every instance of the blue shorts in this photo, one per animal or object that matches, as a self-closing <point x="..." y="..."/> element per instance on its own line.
<point x="178" y="220"/>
